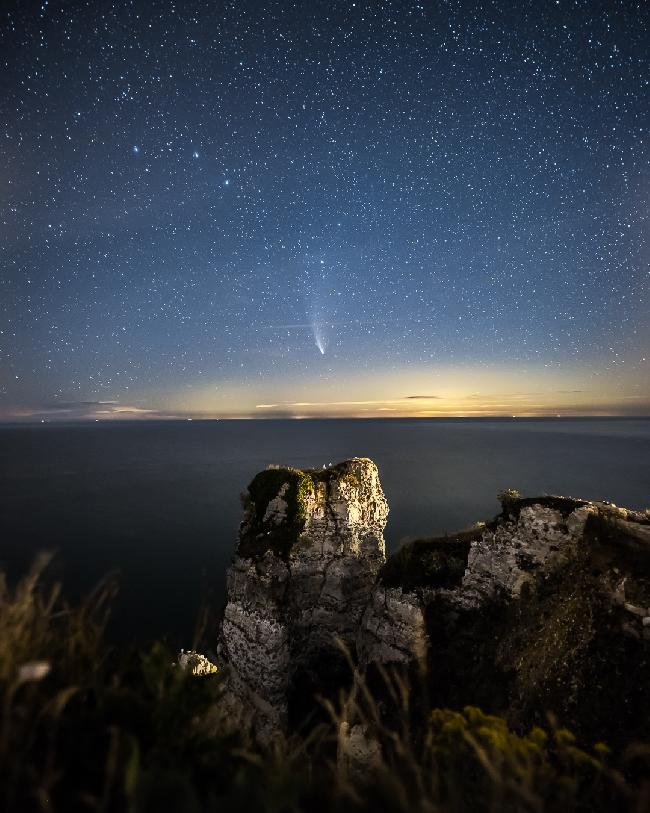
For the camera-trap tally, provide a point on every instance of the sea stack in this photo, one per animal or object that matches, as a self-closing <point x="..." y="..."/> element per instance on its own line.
<point x="309" y="551"/>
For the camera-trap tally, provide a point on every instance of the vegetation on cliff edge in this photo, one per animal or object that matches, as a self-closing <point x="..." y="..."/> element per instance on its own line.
<point x="293" y="487"/>
<point x="85" y="728"/>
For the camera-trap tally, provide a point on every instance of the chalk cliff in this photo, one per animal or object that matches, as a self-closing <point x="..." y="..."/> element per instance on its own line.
<point x="310" y="548"/>
<point x="544" y="609"/>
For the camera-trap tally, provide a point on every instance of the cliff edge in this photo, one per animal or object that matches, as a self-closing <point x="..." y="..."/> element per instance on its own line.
<point x="544" y="610"/>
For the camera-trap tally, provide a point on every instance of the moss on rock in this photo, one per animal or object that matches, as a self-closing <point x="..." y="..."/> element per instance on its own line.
<point x="279" y="533"/>
<point x="512" y="505"/>
<point x="294" y="487"/>
<point x="437" y="562"/>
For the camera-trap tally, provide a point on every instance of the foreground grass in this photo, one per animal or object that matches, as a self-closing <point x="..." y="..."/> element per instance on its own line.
<point x="84" y="728"/>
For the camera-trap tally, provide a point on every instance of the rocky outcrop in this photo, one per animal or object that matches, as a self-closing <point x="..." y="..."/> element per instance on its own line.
<point x="310" y="547"/>
<point x="393" y="628"/>
<point x="508" y="555"/>
<point x="545" y="609"/>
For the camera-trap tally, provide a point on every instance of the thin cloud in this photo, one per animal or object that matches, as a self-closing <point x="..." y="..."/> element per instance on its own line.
<point x="422" y="397"/>
<point x="58" y="411"/>
<point x="67" y="406"/>
<point x="290" y="404"/>
<point x="130" y="410"/>
<point x="325" y="322"/>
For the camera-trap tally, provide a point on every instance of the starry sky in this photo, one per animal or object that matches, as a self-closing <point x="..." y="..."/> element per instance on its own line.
<point x="372" y="208"/>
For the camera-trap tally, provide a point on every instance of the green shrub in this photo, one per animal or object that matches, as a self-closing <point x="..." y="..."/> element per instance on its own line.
<point x="508" y="496"/>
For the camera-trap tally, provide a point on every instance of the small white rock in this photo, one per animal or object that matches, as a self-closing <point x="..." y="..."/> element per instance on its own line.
<point x="33" y="671"/>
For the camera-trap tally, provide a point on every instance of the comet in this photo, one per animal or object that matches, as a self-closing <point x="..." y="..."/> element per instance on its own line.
<point x="319" y="336"/>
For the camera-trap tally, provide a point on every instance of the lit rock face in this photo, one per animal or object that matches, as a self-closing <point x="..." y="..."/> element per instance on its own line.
<point x="310" y="547"/>
<point x="545" y="609"/>
<point x="466" y="570"/>
<point x="509" y="555"/>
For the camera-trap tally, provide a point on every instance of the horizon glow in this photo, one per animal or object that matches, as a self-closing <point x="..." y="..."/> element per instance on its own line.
<point x="397" y="210"/>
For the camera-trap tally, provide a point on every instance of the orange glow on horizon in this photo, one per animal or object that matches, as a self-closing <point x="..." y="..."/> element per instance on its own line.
<point x="438" y="392"/>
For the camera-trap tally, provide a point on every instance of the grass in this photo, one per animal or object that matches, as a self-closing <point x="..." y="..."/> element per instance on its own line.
<point x="87" y="728"/>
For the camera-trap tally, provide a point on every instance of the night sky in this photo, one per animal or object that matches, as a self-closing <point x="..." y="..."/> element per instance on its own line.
<point x="324" y="208"/>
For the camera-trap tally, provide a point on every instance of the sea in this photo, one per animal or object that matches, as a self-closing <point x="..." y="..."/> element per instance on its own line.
<point x="158" y="503"/>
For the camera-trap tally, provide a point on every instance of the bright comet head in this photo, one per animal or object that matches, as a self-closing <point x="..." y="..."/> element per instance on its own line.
<point x="319" y="337"/>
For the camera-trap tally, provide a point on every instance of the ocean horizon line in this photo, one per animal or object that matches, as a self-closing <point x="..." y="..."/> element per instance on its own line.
<point x="34" y="422"/>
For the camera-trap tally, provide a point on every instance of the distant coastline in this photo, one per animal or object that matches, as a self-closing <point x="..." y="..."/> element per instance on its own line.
<point x="34" y="422"/>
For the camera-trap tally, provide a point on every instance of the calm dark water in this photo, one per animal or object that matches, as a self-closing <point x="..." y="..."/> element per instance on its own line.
<point x="160" y="501"/>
